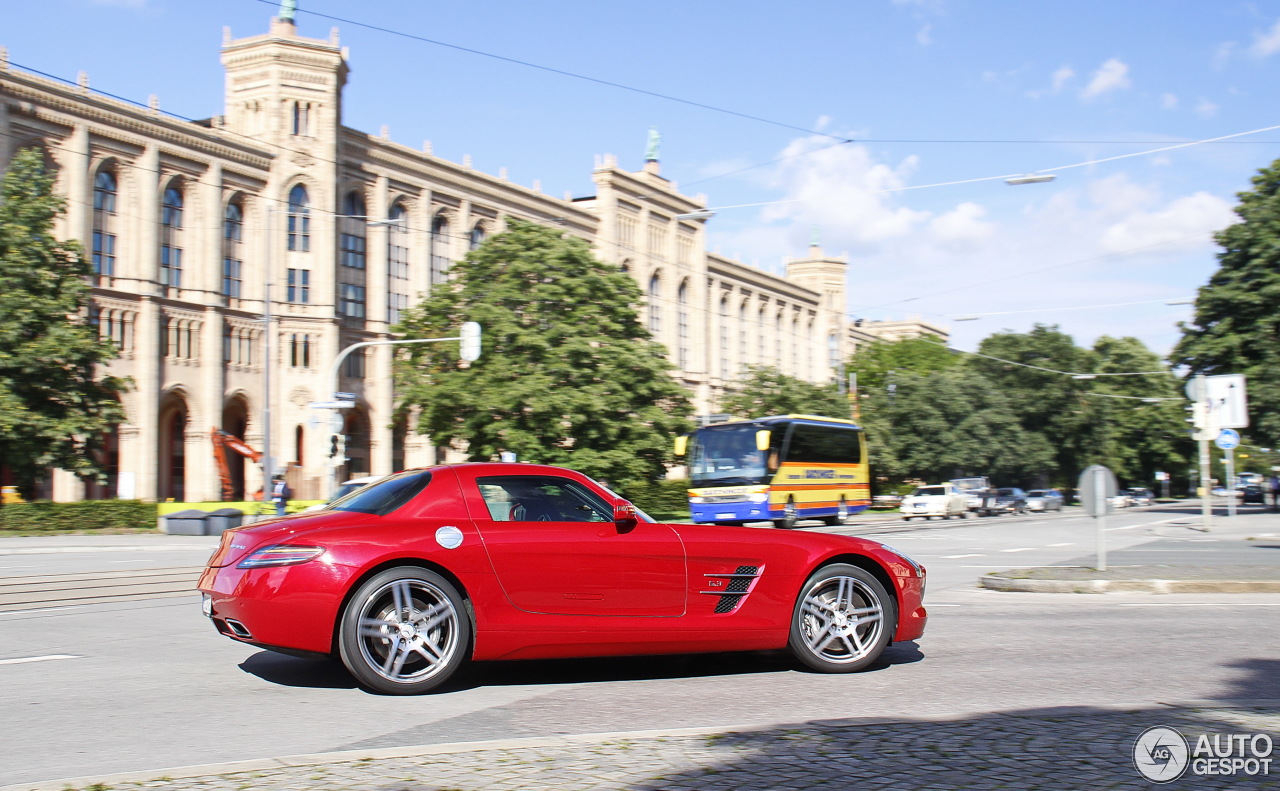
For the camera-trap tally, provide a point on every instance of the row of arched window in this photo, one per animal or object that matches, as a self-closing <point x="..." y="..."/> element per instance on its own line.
<point x="352" y="246"/>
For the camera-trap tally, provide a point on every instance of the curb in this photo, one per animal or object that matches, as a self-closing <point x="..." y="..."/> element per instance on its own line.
<point x="1128" y="586"/>
<point x="586" y="739"/>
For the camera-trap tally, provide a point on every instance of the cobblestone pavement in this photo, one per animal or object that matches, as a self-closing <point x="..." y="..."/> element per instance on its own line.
<point x="1070" y="748"/>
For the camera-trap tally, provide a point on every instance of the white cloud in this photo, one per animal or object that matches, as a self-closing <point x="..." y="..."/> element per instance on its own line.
<point x="1206" y="109"/>
<point x="1169" y="101"/>
<point x="1266" y="44"/>
<point x="1193" y="215"/>
<point x="962" y="228"/>
<point x="1112" y="75"/>
<point x="1061" y="76"/>
<point x="924" y="36"/>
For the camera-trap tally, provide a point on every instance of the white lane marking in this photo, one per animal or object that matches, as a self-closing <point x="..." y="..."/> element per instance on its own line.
<point x="945" y="605"/>
<point x="957" y="557"/>
<point x="77" y="550"/>
<point x="46" y="658"/>
<point x="1065" y="544"/>
<point x="1204" y="604"/>
<point x="131" y="561"/>
<point x="1018" y="549"/>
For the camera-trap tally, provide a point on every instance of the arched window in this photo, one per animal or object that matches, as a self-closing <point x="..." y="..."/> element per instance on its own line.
<point x="104" y="226"/>
<point x="299" y="225"/>
<point x="171" y="237"/>
<point x="397" y="264"/>
<point x="682" y="325"/>
<point x="352" y="246"/>
<point x="762" y="337"/>
<point x="477" y="236"/>
<point x="777" y="339"/>
<point x="833" y="353"/>
<point x="439" y="249"/>
<point x="626" y="266"/>
<point x="655" y="305"/>
<point x="742" y="335"/>
<point x="795" y="345"/>
<point x="301" y="119"/>
<point x="232" y="261"/>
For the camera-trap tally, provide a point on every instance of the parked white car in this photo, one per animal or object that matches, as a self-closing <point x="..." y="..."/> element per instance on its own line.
<point x="943" y="500"/>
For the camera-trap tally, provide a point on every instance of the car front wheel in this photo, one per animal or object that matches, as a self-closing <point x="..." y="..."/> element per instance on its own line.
<point x="404" y="632"/>
<point x="843" y="620"/>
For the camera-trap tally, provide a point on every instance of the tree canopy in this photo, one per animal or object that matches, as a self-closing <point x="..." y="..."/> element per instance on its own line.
<point x="874" y="361"/>
<point x="568" y="375"/>
<point x="764" y="390"/>
<point x="54" y="408"/>
<point x="1236" y="329"/>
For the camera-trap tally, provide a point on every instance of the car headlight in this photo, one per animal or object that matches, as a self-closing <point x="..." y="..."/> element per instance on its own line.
<point x="919" y="569"/>
<point x="280" y="555"/>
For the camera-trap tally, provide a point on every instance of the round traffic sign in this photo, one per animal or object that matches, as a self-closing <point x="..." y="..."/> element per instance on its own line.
<point x="1228" y="439"/>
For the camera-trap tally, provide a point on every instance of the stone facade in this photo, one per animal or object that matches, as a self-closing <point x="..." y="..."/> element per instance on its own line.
<point x="199" y="230"/>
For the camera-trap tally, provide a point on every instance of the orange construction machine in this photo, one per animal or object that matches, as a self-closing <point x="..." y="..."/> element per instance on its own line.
<point x="221" y="441"/>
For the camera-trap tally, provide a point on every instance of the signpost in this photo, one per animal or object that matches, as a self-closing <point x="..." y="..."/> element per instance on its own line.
<point x="1096" y="487"/>
<point x="1217" y="402"/>
<point x="1229" y="439"/>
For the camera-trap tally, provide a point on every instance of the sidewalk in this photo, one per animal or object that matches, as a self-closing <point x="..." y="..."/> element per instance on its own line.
<point x="1027" y="750"/>
<point x="1236" y="555"/>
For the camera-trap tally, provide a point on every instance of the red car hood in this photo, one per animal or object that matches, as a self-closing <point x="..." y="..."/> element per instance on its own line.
<point x="240" y="541"/>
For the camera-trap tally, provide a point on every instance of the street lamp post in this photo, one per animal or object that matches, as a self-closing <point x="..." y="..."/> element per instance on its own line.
<point x="469" y="334"/>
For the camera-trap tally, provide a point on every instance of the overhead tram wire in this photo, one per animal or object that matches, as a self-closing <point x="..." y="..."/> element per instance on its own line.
<point x="564" y="73"/>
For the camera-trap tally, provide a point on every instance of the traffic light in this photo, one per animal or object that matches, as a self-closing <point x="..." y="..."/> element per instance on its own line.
<point x="333" y="444"/>
<point x="470" y="350"/>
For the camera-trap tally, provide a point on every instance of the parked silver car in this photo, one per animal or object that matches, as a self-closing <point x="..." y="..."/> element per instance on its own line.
<point x="1044" y="500"/>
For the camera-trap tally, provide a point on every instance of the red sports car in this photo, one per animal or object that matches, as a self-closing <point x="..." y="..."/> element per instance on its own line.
<point x="409" y="577"/>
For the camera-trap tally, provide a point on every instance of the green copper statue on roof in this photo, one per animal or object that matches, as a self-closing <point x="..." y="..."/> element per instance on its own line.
<point x="655" y="140"/>
<point x="288" y="10"/>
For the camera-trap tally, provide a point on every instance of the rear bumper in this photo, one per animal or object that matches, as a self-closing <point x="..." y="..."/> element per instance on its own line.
<point x="290" y="608"/>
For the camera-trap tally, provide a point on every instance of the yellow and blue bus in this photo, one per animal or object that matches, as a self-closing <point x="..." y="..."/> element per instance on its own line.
<point x="783" y="469"/>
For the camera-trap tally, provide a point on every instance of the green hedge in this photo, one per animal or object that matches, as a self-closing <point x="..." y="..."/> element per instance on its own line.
<point x="44" y="516"/>
<point x="667" y="496"/>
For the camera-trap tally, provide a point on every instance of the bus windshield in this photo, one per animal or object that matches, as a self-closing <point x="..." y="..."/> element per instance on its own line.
<point x="726" y="457"/>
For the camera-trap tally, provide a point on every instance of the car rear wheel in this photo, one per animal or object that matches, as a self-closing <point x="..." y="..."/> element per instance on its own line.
<point x="790" y="515"/>
<point x="843" y="620"/>
<point x="404" y="632"/>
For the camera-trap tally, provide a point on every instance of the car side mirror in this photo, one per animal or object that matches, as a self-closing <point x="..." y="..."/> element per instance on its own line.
<point x="624" y="515"/>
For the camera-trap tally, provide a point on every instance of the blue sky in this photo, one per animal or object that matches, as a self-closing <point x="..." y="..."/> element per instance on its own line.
<point x="1040" y="84"/>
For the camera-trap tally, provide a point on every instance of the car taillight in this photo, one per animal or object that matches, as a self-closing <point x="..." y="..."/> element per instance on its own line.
<point x="280" y="555"/>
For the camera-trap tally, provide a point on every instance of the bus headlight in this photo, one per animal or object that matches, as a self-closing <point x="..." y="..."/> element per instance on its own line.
<point x="762" y="497"/>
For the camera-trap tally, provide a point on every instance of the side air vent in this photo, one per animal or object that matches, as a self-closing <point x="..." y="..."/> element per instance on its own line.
<point x="733" y="588"/>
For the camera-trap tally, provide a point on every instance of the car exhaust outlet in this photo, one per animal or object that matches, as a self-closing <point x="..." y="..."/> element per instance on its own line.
<point x="238" y="629"/>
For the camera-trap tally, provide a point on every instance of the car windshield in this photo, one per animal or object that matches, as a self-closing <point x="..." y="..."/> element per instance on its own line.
<point x="384" y="496"/>
<point x="726" y="456"/>
<point x="925" y="491"/>
<point x="1037" y="493"/>
<point x="1005" y="492"/>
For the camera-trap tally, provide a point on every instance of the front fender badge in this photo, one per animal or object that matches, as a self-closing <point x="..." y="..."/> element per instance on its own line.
<point x="449" y="537"/>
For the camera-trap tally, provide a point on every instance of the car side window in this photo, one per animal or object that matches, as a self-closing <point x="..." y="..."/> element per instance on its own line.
<point x="527" y="498"/>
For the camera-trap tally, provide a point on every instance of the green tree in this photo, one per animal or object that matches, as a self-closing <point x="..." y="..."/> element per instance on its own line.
<point x="765" y="390"/>
<point x="874" y="361"/>
<point x="1139" y="435"/>
<point x="54" y="408"/>
<point x="568" y="375"/>
<point x="947" y="424"/>
<point x="1030" y="370"/>
<point x="1236" y="329"/>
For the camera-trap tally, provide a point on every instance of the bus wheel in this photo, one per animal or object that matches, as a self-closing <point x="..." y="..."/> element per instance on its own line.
<point x="790" y="515"/>
<point x="842" y="514"/>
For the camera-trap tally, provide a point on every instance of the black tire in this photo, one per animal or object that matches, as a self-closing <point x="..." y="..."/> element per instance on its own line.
<point x="842" y="514"/>
<point x="405" y="631"/>
<point x="790" y="515"/>
<point x="842" y="621"/>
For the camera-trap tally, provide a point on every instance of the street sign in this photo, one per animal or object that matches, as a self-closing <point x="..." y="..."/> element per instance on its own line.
<point x="1097" y="486"/>
<point x="344" y="396"/>
<point x="1162" y="476"/>
<point x="332" y="404"/>
<point x="1228" y="402"/>
<point x="1228" y="439"/>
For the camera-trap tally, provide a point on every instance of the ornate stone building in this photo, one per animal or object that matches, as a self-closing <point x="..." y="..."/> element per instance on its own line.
<point x="201" y="231"/>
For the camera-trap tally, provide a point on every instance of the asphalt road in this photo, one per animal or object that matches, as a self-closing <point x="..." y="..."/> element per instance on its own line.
<point x="147" y="684"/>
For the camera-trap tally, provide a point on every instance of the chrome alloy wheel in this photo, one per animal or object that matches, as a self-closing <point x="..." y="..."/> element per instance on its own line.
<point x="842" y="620"/>
<point x="408" y="631"/>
